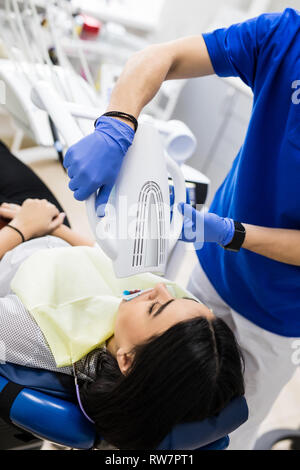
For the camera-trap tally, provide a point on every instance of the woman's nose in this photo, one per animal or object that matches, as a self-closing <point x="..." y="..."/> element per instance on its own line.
<point x="162" y="292"/>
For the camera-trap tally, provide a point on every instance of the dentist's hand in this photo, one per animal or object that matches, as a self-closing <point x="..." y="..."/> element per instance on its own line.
<point x="95" y="161"/>
<point x="199" y="227"/>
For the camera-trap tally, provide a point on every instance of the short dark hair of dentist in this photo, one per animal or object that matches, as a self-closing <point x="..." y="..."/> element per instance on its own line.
<point x="189" y="373"/>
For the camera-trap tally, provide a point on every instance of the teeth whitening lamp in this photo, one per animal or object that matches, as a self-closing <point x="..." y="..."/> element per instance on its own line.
<point x="137" y="232"/>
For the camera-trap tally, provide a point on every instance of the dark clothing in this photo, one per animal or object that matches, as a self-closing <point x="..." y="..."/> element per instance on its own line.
<point x="18" y="182"/>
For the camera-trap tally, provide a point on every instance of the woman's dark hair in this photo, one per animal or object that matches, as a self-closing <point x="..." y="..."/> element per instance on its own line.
<point x="189" y="373"/>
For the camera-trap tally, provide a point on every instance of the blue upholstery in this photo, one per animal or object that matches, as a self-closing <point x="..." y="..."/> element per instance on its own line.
<point x="42" y="409"/>
<point x="193" y="435"/>
<point x="58" y="385"/>
<point x="221" y="444"/>
<point x="51" y="418"/>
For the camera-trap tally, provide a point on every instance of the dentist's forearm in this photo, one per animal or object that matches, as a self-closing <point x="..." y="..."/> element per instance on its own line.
<point x="145" y="72"/>
<point x="281" y="245"/>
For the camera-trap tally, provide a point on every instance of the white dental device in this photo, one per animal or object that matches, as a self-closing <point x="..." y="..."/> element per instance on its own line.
<point x="137" y="232"/>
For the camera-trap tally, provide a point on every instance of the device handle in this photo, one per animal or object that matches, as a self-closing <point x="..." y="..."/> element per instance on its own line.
<point x="179" y="196"/>
<point x="45" y="97"/>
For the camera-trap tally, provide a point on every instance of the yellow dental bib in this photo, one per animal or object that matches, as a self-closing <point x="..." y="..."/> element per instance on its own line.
<point x="73" y="295"/>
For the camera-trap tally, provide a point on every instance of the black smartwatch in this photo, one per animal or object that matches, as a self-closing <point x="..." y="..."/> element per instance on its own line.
<point x="238" y="238"/>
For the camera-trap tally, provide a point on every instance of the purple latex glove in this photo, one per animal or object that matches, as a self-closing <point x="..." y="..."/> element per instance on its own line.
<point x="199" y="227"/>
<point x="95" y="161"/>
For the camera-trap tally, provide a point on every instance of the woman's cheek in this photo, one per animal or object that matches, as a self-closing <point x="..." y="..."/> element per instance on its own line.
<point x="127" y="317"/>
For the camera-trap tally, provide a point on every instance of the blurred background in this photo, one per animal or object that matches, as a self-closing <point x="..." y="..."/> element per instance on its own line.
<point x="80" y="46"/>
<point x="95" y="38"/>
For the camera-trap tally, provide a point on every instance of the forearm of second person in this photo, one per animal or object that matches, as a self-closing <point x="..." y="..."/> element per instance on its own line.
<point x="146" y="70"/>
<point x="9" y="239"/>
<point x="72" y="237"/>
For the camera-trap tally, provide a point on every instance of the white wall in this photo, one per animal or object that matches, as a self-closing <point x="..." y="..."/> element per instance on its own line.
<point x="187" y="17"/>
<point x="279" y="5"/>
<point x="178" y="20"/>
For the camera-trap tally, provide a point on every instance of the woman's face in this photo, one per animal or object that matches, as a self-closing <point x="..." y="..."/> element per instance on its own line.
<point x="152" y="313"/>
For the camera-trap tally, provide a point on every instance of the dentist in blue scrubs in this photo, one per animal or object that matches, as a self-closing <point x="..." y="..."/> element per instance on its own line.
<point x="249" y="265"/>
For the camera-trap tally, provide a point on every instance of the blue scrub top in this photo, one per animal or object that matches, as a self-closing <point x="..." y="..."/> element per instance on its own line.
<point x="263" y="185"/>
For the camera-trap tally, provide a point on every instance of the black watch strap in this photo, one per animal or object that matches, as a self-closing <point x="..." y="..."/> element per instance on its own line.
<point x="238" y="238"/>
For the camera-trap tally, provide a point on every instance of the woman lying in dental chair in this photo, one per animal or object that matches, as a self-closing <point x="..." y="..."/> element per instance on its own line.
<point x="145" y="363"/>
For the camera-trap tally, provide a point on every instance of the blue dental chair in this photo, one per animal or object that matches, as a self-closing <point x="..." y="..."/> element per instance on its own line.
<point x="44" y="404"/>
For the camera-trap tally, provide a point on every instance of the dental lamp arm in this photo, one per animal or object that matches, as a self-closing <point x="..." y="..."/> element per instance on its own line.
<point x="146" y="70"/>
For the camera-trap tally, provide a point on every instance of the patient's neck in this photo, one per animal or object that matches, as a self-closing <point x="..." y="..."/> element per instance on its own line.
<point x="111" y="346"/>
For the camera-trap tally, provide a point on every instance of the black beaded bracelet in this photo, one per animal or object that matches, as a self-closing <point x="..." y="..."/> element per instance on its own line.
<point x="120" y="114"/>
<point x="17" y="230"/>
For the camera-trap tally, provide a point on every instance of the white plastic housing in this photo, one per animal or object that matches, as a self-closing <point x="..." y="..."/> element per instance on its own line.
<point x="136" y="232"/>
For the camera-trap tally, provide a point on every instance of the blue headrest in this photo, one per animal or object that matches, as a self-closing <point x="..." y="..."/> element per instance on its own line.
<point x="191" y="436"/>
<point x="38" y="411"/>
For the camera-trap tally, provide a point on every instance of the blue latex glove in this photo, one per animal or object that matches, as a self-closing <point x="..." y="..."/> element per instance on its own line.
<point x="95" y="161"/>
<point x="199" y="227"/>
